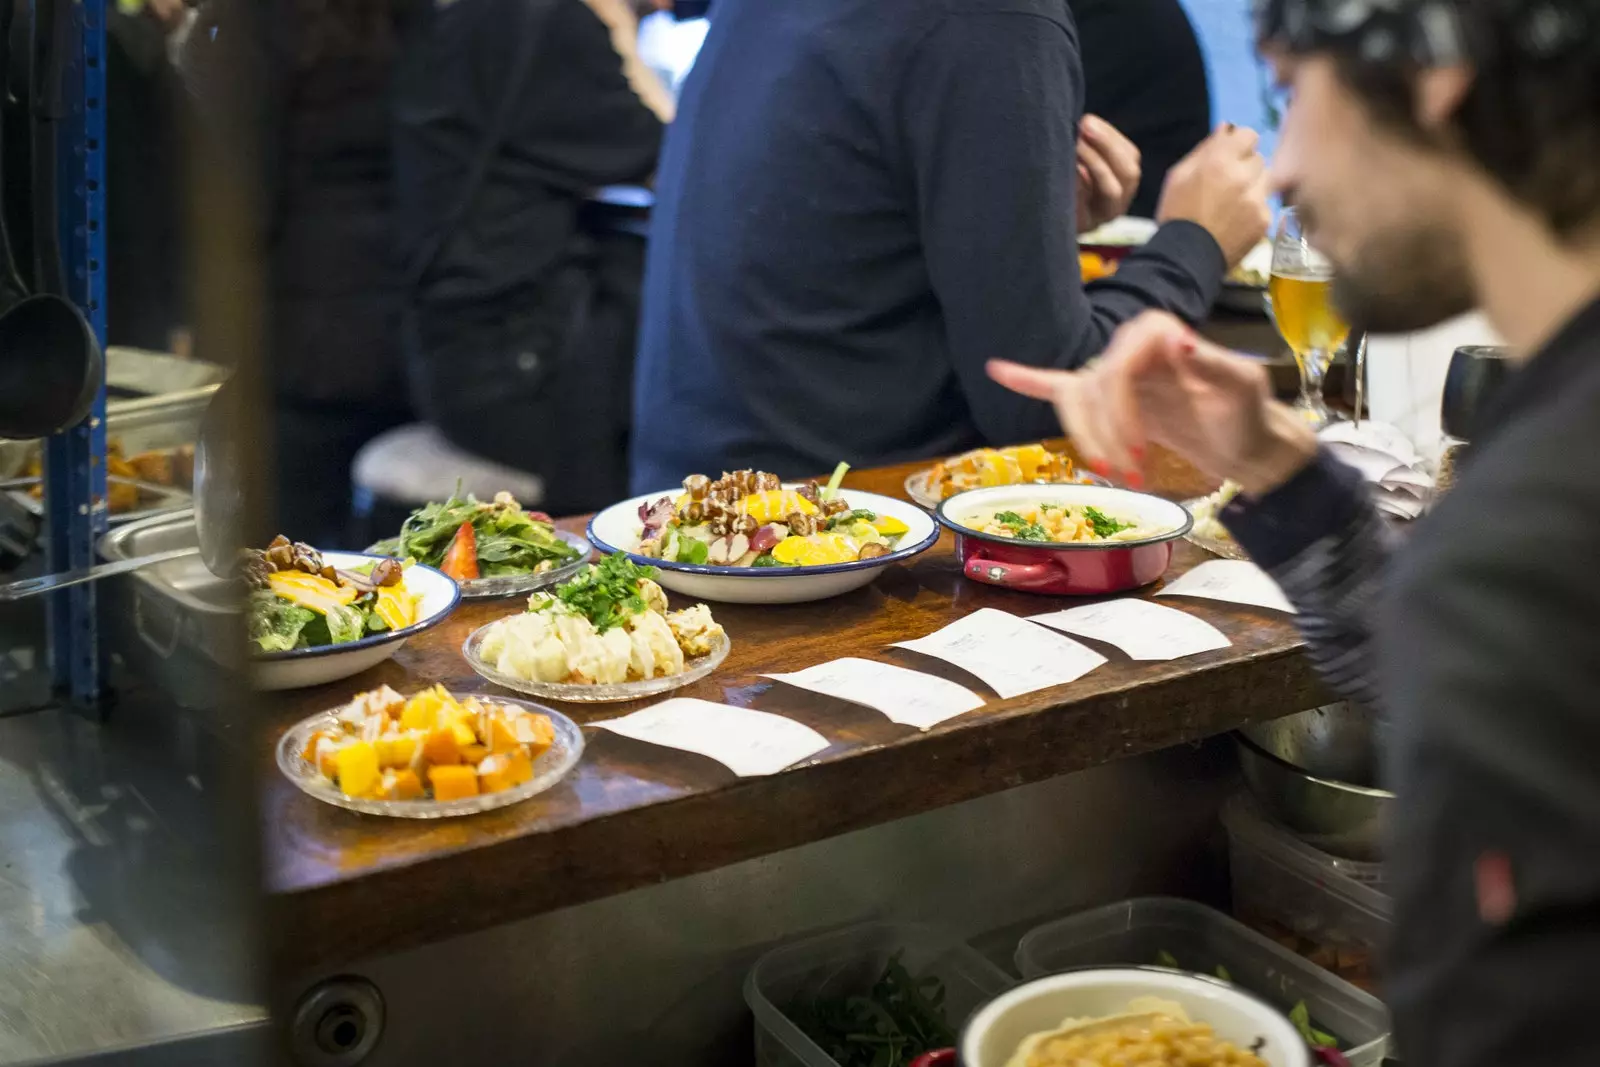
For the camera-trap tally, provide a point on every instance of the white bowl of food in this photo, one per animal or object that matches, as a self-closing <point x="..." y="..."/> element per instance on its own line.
<point x="306" y="629"/>
<point x="1059" y="1021"/>
<point x="754" y="540"/>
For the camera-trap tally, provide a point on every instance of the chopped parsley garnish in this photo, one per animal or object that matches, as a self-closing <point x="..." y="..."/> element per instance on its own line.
<point x="1103" y="524"/>
<point x="607" y="593"/>
<point x="1021" y="528"/>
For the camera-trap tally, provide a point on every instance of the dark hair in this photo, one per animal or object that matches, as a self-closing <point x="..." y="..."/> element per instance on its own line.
<point x="1530" y="120"/>
<point x="351" y="30"/>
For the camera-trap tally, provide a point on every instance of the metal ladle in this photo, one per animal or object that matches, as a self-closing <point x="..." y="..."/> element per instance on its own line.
<point x="217" y="503"/>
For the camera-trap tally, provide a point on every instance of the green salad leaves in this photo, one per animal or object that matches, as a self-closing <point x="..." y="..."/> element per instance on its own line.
<point x="276" y="625"/>
<point x="509" y="540"/>
<point x="896" y="1021"/>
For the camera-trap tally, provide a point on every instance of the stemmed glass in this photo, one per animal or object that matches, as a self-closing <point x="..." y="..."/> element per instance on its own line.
<point x="1299" y="298"/>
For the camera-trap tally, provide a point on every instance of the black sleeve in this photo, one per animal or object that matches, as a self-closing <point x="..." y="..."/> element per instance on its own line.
<point x="1496" y="869"/>
<point x="990" y="105"/>
<point x="583" y="126"/>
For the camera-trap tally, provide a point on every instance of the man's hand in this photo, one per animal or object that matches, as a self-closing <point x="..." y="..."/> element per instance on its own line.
<point x="1159" y="383"/>
<point x="1108" y="172"/>
<point x="1222" y="185"/>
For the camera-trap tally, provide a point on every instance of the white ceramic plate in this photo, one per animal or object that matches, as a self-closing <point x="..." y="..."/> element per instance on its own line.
<point x="303" y="667"/>
<point x="511" y="584"/>
<point x="1000" y="1026"/>
<point x="562" y="755"/>
<point x="1128" y="231"/>
<point x="693" y="671"/>
<point x="616" y="529"/>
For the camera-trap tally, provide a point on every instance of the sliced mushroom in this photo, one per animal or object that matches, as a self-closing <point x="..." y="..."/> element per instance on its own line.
<point x="871" y="550"/>
<point x="801" y="525"/>
<point x="388" y="572"/>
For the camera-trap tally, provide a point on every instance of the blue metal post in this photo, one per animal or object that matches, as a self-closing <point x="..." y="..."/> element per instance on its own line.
<point x="75" y="473"/>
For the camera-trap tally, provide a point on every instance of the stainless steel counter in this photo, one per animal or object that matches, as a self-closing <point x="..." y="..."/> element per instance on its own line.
<point x="118" y="929"/>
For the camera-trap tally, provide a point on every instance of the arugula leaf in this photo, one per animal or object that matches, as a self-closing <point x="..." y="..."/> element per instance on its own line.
<point x="895" y="1021"/>
<point x="766" y="560"/>
<point x="1104" y="525"/>
<point x="692" y="550"/>
<point x="607" y="593"/>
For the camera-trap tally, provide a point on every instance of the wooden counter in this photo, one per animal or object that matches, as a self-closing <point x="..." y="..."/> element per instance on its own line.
<point x="347" y="885"/>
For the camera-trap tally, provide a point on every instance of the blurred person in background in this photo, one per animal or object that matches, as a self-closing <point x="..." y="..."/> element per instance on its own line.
<point x="521" y="316"/>
<point x="1444" y="154"/>
<point x="321" y="71"/>
<point x="863" y="200"/>
<point x="1143" y="72"/>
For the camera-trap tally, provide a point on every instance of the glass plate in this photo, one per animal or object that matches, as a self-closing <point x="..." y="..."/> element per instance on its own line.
<point x="917" y="487"/>
<point x="548" y="769"/>
<point x="511" y="584"/>
<point x="1227" y="548"/>
<point x="607" y="693"/>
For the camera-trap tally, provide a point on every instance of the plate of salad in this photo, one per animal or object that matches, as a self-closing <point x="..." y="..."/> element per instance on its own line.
<point x="750" y="538"/>
<point x="490" y="548"/>
<point x="314" y="617"/>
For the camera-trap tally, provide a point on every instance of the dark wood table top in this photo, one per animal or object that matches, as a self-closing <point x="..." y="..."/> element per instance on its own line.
<point x="347" y="885"/>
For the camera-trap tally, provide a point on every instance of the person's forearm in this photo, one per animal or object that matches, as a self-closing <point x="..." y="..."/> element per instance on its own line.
<point x="1320" y="537"/>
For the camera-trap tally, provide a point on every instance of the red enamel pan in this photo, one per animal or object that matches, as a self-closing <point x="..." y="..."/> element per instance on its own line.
<point x="1088" y="569"/>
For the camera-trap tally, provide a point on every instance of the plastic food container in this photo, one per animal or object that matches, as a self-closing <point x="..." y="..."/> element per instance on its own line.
<point x="849" y="961"/>
<point x="1304" y="899"/>
<point x="1202" y="939"/>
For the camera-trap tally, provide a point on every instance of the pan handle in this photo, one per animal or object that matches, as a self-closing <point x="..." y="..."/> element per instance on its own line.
<point x="1013" y="575"/>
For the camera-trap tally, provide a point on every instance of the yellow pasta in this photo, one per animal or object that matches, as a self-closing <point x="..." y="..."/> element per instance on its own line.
<point x="1061" y="524"/>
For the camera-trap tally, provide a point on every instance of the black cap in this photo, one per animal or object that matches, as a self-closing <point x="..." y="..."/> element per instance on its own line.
<point x="1427" y="33"/>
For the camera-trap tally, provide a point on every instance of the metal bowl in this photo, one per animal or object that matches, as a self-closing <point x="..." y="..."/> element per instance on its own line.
<point x="1339" y="741"/>
<point x="1336" y="817"/>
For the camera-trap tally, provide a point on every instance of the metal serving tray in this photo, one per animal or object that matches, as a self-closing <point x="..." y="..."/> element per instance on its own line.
<point x="179" y="602"/>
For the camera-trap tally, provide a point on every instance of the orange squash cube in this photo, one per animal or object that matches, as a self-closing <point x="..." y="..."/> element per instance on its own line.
<point x="521" y="767"/>
<point x="358" y="770"/>
<point x="441" y="747"/>
<point x="474" y="754"/>
<point x="535" y="731"/>
<point x="397" y="750"/>
<point x="420" y="711"/>
<point x="453" y="782"/>
<point x="327" y="756"/>
<point x="401" y="785"/>
<point x="494" y="773"/>
<point x="309" y="752"/>
<point x="502" y="738"/>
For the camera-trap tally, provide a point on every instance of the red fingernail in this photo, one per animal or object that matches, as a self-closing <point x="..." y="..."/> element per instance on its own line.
<point x="1134" y="479"/>
<point x="1100" y="467"/>
<point x="1138" y="453"/>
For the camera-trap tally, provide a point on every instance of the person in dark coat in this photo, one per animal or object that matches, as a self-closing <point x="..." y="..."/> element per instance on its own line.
<point x="1444" y="155"/>
<point x="319" y="73"/>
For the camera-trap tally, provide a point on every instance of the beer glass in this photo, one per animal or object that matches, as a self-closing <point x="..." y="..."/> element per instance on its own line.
<point x="1299" y="298"/>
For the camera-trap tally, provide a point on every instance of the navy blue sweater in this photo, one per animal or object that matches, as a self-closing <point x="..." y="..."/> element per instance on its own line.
<point x="860" y="202"/>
